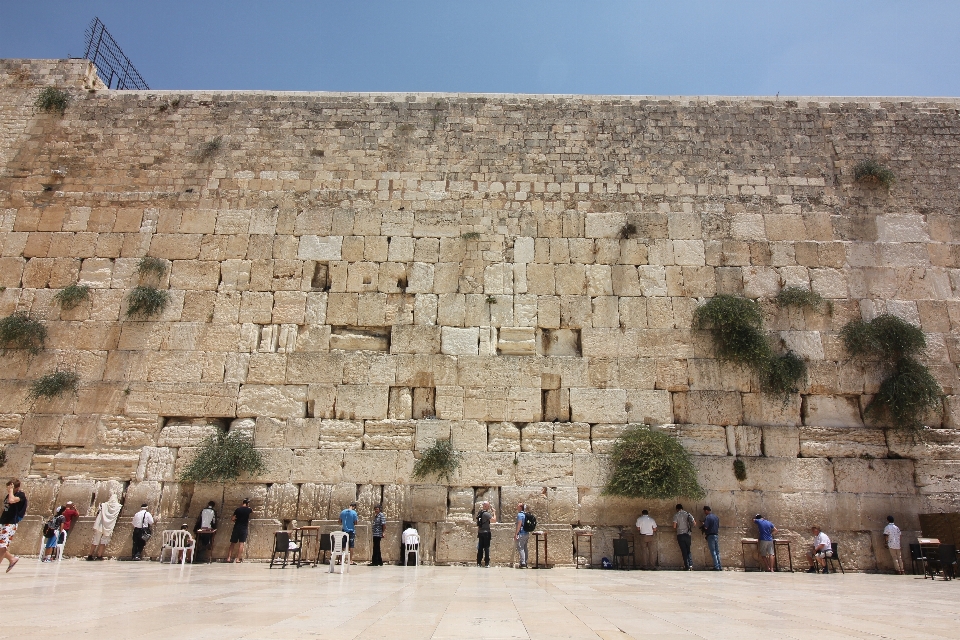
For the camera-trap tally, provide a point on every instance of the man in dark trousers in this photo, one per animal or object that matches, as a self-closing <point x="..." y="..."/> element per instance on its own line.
<point x="484" y="518"/>
<point x="711" y="529"/>
<point x="379" y="526"/>
<point x="684" y="523"/>
<point x="142" y="521"/>
<point x="241" y="524"/>
<point x="206" y="528"/>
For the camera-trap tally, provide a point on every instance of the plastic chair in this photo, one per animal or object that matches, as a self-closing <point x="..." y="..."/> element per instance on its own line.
<point x="621" y="552"/>
<point x="282" y="544"/>
<point x="412" y="546"/>
<point x="58" y="550"/>
<point x="829" y="560"/>
<point x="948" y="561"/>
<point x="340" y="549"/>
<point x="178" y="541"/>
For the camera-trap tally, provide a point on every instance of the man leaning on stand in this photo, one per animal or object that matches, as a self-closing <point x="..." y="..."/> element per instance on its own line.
<point x="765" y="549"/>
<point x="646" y="528"/>
<point x="684" y="523"/>
<point x="711" y="530"/>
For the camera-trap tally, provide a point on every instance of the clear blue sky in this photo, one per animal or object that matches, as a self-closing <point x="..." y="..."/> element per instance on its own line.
<point x="695" y="47"/>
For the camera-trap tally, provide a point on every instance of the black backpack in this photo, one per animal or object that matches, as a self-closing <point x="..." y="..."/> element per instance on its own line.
<point x="49" y="528"/>
<point x="529" y="522"/>
<point x="480" y="519"/>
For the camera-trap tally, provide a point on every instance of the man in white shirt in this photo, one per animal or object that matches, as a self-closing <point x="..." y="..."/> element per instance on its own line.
<point x="409" y="536"/>
<point x="142" y="521"/>
<point x="821" y="550"/>
<point x="646" y="527"/>
<point x="891" y="535"/>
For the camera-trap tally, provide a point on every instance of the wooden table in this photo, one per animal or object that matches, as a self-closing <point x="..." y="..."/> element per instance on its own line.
<point x="929" y="550"/>
<point x="745" y="542"/>
<point x="576" y="541"/>
<point x="538" y="537"/>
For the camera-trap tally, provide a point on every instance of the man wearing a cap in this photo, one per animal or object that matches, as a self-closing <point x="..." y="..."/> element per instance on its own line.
<point x="348" y="520"/>
<point x="142" y="521"/>
<point x="241" y="525"/>
<point x="70" y="515"/>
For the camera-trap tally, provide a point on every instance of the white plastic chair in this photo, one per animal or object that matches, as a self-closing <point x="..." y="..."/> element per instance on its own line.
<point x="412" y="545"/>
<point x="58" y="550"/>
<point x="340" y="548"/>
<point x="178" y="541"/>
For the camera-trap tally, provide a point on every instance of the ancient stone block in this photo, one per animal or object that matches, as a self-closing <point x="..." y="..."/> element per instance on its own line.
<point x="598" y="405"/>
<point x="156" y="464"/>
<point x="357" y="402"/>
<point x="571" y="437"/>
<point x="831" y="411"/>
<point x="537" y="436"/>
<point x="459" y="341"/>
<point x="708" y="407"/>
<point x="425" y="503"/>
<point x="370" y="467"/>
<point x="468" y="435"/>
<point x="279" y="401"/>
<point x="389" y="434"/>
<point x="842" y="443"/>
<point x="781" y="442"/>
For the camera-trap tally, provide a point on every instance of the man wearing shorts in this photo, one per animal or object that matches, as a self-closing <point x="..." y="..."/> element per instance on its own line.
<point x="765" y="548"/>
<point x="822" y="549"/>
<point x="241" y="525"/>
<point x="348" y="522"/>
<point x="14" y="508"/>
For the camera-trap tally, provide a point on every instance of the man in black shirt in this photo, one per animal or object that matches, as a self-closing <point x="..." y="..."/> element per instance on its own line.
<point x="484" y="518"/>
<point x="241" y="522"/>
<point x="14" y="508"/>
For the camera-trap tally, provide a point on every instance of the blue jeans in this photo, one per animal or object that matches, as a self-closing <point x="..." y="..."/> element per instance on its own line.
<point x="713" y="543"/>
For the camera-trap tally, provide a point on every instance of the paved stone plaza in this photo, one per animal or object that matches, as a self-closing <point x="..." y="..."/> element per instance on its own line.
<point x="148" y="600"/>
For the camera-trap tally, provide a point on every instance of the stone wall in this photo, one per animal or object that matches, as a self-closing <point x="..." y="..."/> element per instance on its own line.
<point x="353" y="276"/>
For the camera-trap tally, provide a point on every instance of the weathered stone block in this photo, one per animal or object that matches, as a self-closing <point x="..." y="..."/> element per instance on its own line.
<point x="598" y="405"/>
<point x="571" y="437"/>
<point x="156" y="464"/>
<point x="370" y="467"/>
<point x="831" y="411"/>
<point x="389" y="434"/>
<point x="875" y="476"/>
<point x="358" y="402"/>
<point x="537" y="436"/>
<point x="842" y="443"/>
<point x="503" y="436"/>
<point x="341" y="434"/>
<point x="781" y="442"/>
<point x="708" y="407"/>
<point x="425" y="503"/>
<point x="278" y="401"/>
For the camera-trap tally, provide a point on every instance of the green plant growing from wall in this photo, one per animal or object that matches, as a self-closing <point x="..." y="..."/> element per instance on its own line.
<point x="72" y="297"/>
<point x="210" y="148"/>
<point x="739" y="470"/>
<point x="223" y="457"/>
<point x="440" y="460"/>
<point x="54" y="385"/>
<point x="151" y="267"/>
<point x="649" y="463"/>
<point x="471" y="235"/>
<point x="22" y="331"/>
<point x="908" y="390"/>
<point x="3" y="456"/>
<point x="52" y="99"/>
<point x="802" y="298"/>
<point x="146" y="302"/>
<point x="736" y="325"/>
<point x="872" y="172"/>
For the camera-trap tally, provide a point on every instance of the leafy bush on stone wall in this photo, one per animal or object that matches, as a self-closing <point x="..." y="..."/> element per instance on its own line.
<point x="802" y="298"/>
<point x="736" y="325"/>
<point x="648" y="463"/>
<point x="909" y="391"/>
<point x="440" y="460"/>
<point x="871" y="171"/>
<point x="146" y="302"/>
<point x="223" y="457"/>
<point x="52" y="99"/>
<point x="54" y="385"/>
<point x="71" y="297"/>
<point x="22" y="331"/>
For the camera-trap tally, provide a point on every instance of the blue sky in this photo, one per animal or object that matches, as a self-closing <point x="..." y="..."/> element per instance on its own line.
<point x="695" y="47"/>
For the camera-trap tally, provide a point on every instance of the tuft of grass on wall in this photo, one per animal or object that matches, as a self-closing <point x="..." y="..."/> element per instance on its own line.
<point x="223" y="457"/>
<point x="52" y="99"/>
<point x="22" y="331"/>
<point x="151" y="267"/>
<point x="471" y="235"/>
<point x="146" y="302"/>
<point x="54" y="385"/>
<point x="648" y="463"/>
<point x="739" y="470"/>
<point x="73" y="296"/>
<point x="908" y="391"/>
<point x="210" y="148"/>
<point x="802" y="298"/>
<point x="872" y="172"/>
<point x="783" y="375"/>
<point x="440" y="460"/>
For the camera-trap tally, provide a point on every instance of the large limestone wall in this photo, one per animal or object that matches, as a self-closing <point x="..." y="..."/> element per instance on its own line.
<point x="353" y="276"/>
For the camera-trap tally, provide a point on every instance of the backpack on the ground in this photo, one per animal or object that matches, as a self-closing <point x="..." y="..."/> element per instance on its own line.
<point x="529" y="522"/>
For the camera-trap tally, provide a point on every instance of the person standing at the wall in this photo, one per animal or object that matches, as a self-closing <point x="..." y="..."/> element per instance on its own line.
<point x="348" y="524"/>
<point x="684" y="523"/>
<point x="484" y="518"/>
<point x="891" y="535"/>
<point x="142" y="521"/>
<point x="206" y="528"/>
<point x="103" y="526"/>
<point x="765" y="544"/>
<point x="646" y="529"/>
<point x="14" y="509"/>
<point x="711" y="530"/>
<point x="241" y="529"/>
<point x="521" y="536"/>
<point x="70" y="515"/>
<point x="379" y="526"/>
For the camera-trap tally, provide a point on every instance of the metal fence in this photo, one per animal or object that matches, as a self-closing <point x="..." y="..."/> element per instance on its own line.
<point x="113" y="66"/>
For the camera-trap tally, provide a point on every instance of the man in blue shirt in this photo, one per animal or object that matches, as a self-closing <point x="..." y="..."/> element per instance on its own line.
<point x="348" y="522"/>
<point x="521" y="536"/>
<point x="766" y="531"/>
<point x="711" y="529"/>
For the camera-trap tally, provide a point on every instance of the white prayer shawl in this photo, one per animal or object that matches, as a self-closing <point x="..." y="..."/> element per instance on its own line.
<point x="107" y="516"/>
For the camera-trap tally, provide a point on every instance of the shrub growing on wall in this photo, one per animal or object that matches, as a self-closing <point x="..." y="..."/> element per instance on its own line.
<point x="222" y="457"/>
<point x="648" y="463"/>
<point x="908" y="390"/>
<point x="22" y="331"/>
<point x="71" y="297"/>
<point x="52" y="99"/>
<point x="54" y="385"/>
<point x="146" y="302"/>
<point x="440" y="460"/>
<point x="736" y="325"/>
<point x="872" y="172"/>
